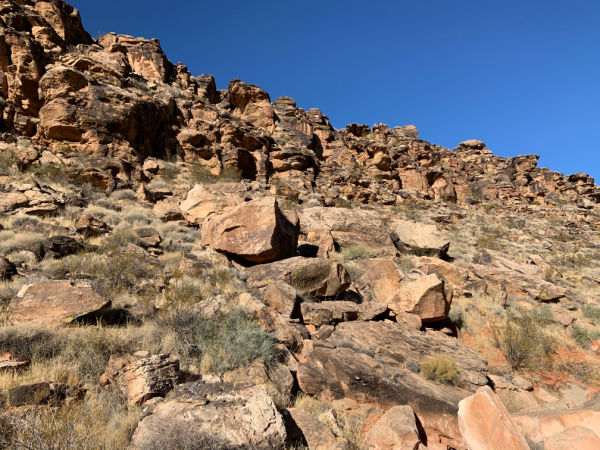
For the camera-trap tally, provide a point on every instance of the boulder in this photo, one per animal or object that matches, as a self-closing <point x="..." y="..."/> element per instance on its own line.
<point x="396" y="429"/>
<point x="60" y="246"/>
<point x="55" y="303"/>
<point x="212" y="414"/>
<point x="306" y="430"/>
<point x="380" y="280"/>
<point x="255" y="232"/>
<point x="315" y="277"/>
<point x="419" y="238"/>
<point x="424" y="297"/>
<point x="143" y="378"/>
<point x="485" y="423"/>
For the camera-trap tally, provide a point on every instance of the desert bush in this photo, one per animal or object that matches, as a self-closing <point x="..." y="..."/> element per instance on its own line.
<point x="457" y="315"/>
<point x="219" y="343"/>
<point x="110" y="273"/>
<point x="440" y="368"/>
<point x="8" y="162"/>
<point x="584" y="336"/>
<point x="31" y="343"/>
<point x="522" y="341"/>
<point x="101" y="421"/>
<point x="124" y="194"/>
<point x="202" y="175"/>
<point x="170" y="172"/>
<point x="11" y="241"/>
<point x="592" y="313"/>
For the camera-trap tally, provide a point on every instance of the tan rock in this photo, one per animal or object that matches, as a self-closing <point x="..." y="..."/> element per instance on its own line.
<point x="381" y="278"/>
<point x="142" y="379"/>
<point x="424" y="297"/>
<point x="419" y="238"/>
<point x="315" y="277"/>
<point x="576" y="437"/>
<point x="256" y="231"/>
<point x="212" y="414"/>
<point x="200" y="202"/>
<point x="396" y="429"/>
<point x="323" y="313"/>
<point x="303" y="428"/>
<point x="485" y="423"/>
<point x="55" y="303"/>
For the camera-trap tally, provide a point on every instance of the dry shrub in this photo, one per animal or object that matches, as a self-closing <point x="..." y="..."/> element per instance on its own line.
<point x="522" y="341"/>
<point x="440" y="368"/>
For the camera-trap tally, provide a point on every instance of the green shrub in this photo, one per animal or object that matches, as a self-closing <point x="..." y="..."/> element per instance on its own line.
<point x="357" y="251"/>
<point x="456" y="315"/>
<point x="219" y="343"/>
<point x="201" y="174"/>
<point x="440" y="368"/>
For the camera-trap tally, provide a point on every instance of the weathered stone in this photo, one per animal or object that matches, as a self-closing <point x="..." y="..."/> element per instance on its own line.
<point x="424" y="297"/>
<point x="55" y="303"/>
<point x="144" y="378"/>
<point x="256" y="231"/>
<point x="419" y="238"/>
<point x="485" y="423"/>
<point x="60" y="246"/>
<point x="315" y="277"/>
<point x="90" y="226"/>
<point x="305" y="429"/>
<point x="396" y="429"/>
<point x="212" y="414"/>
<point x="323" y="313"/>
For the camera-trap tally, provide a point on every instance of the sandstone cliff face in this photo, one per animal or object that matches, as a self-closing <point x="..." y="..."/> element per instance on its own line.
<point x="120" y="96"/>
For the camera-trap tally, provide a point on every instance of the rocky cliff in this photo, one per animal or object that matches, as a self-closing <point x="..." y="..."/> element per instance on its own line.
<point x="188" y="267"/>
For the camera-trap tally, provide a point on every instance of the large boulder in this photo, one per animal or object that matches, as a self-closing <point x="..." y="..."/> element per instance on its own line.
<point x="396" y="429"/>
<point x="7" y="269"/>
<point x="306" y="430"/>
<point x="255" y="232"/>
<point x="380" y="280"/>
<point x="212" y="414"/>
<point x="55" y="303"/>
<point x="419" y="238"/>
<point x="424" y="297"/>
<point x="315" y="277"/>
<point x="251" y="103"/>
<point x="485" y="423"/>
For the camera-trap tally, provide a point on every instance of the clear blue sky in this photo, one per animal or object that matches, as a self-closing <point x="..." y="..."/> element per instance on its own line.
<point x="523" y="76"/>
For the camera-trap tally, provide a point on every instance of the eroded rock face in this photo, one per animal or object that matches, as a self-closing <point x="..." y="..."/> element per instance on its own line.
<point x="55" y="303"/>
<point x="256" y="231"/>
<point x="485" y="423"/>
<point x="213" y="414"/>
<point x="367" y="362"/>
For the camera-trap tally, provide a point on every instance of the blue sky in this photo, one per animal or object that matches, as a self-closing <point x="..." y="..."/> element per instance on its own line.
<point x="523" y="76"/>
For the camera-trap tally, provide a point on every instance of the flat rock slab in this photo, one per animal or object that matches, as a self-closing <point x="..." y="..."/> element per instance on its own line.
<point x="55" y="303"/>
<point x="212" y="415"/>
<point x="323" y="313"/>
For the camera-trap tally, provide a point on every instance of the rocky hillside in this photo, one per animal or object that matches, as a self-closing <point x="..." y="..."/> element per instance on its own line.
<point x="188" y="267"/>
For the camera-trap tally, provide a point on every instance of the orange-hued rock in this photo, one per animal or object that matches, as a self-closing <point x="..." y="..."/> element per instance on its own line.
<point x="577" y="437"/>
<point x="381" y="279"/>
<point x="538" y="426"/>
<point x="256" y="231"/>
<point x="396" y="429"/>
<point x="485" y="423"/>
<point x="424" y="297"/>
<point x="55" y="303"/>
